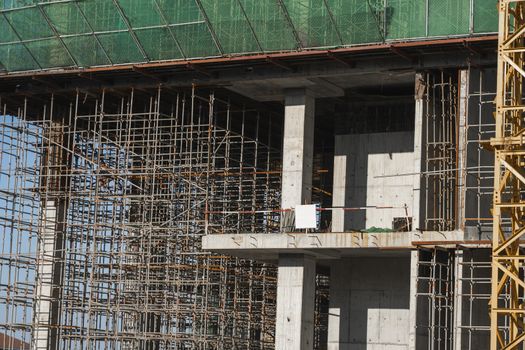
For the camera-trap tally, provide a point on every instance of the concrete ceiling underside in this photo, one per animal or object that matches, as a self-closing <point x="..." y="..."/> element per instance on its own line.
<point x="323" y="256"/>
<point x="265" y="78"/>
<point x="330" y="86"/>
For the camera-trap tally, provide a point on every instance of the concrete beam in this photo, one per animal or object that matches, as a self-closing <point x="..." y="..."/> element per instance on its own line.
<point x="295" y="303"/>
<point x="267" y="247"/>
<point x="342" y="240"/>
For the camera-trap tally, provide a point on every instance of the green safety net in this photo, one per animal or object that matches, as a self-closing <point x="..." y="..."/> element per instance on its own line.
<point x="49" y="34"/>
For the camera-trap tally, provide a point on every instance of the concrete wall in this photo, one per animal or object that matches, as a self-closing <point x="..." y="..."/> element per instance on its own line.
<point x="358" y="163"/>
<point x="369" y="304"/>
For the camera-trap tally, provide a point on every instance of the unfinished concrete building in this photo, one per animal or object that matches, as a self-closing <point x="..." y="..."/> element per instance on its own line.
<point x="160" y="162"/>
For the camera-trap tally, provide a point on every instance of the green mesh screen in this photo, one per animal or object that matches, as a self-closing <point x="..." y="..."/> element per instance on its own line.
<point x="29" y="23"/>
<point x="448" y="17"/>
<point x="484" y="19"/>
<point x="188" y="25"/>
<point x="358" y="21"/>
<point x="8" y="34"/>
<point x="87" y="51"/>
<point x="313" y="23"/>
<point x="141" y="13"/>
<point x="15" y="57"/>
<point x="67" y="18"/>
<point x="159" y="43"/>
<point x="13" y="4"/>
<point x="50" y="53"/>
<point x="229" y="23"/>
<point x="85" y="33"/>
<point x="102" y="15"/>
<point x="269" y="22"/>
<point x="195" y="40"/>
<point x="405" y="19"/>
<point x="121" y="47"/>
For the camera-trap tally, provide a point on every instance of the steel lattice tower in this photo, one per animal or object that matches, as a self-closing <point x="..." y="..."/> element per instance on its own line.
<point x="508" y="286"/>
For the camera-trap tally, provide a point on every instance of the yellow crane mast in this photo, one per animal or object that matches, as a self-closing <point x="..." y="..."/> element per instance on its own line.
<point x="508" y="285"/>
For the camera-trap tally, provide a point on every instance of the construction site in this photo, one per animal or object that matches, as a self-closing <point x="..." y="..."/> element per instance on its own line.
<point x="262" y="174"/>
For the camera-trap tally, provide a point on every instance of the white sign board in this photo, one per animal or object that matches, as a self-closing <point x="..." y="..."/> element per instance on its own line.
<point x="305" y="216"/>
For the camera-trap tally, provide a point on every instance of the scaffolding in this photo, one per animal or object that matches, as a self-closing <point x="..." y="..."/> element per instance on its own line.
<point x="104" y="199"/>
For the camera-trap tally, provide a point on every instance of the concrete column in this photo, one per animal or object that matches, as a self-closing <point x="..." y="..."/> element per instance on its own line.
<point x="50" y="275"/>
<point x="412" y="335"/>
<point x="464" y="77"/>
<point x="296" y="273"/>
<point x="339" y="192"/>
<point x="51" y="245"/>
<point x="295" y="303"/>
<point x="458" y="298"/>
<point x="417" y="211"/>
<point x="44" y="284"/>
<point x="298" y="147"/>
<point x="339" y="310"/>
